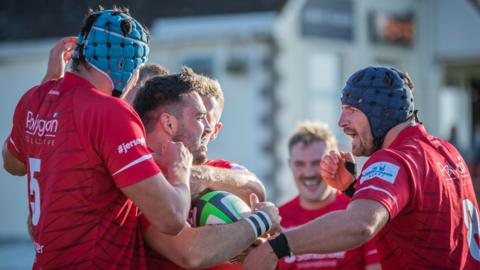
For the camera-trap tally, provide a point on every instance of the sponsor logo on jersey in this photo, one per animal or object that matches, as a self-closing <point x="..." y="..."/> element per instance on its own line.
<point x="124" y="147"/>
<point x="384" y="170"/>
<point x="308" y="257"/>
<point x="37" y="126"/>
<point x="38" y="248"/>
<point x="451" y="172"/>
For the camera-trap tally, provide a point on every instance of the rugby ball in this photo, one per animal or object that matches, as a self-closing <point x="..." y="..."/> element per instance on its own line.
<point x="219" y="207"/>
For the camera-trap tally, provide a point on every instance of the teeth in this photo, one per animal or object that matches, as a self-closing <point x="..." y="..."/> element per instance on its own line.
<point x="309" y="183"/>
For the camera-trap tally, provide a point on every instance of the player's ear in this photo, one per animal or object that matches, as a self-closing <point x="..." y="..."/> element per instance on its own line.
<point x="168" y="124"/>
<point x="216" y="130"/>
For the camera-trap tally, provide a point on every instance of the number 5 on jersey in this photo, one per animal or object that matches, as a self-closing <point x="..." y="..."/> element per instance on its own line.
<point x="34" y="166"/>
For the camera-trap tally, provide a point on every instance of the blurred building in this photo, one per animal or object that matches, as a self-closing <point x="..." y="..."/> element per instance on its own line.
<point x="280" y="62"/>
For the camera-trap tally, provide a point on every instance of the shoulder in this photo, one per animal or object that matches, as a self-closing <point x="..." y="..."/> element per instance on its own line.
<point x="384" y="164"/>
<point x="37" y="91"/>
<point x="101" y="106"/>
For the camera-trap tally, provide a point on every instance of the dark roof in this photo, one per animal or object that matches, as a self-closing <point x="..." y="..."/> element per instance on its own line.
<point x="26" y="20"/>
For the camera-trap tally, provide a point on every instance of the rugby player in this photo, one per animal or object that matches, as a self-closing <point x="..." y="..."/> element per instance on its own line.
<point x="414" y="193"/>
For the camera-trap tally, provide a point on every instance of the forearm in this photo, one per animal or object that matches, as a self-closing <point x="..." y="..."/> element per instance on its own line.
<point x="336" y="231"/>
<point x="179" y="180"/>
<point x="239" y="182"/>
<point x="339" y="230"/>
<point x="165" y="205"/>
<point x="193" y="248"/>
<point x="230" y="240"/>
<point x="170" y="218"/>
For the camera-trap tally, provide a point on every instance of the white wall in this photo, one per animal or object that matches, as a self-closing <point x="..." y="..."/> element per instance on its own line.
<point x="458" y="32"/>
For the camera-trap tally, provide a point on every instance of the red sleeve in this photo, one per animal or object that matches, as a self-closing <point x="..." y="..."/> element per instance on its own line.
<point x="120" y="140"/>
<point x="15" y="142"/>
<point x="384" y="179"/>
<point x="370" y="253"/>
<point x="221" y="163"/>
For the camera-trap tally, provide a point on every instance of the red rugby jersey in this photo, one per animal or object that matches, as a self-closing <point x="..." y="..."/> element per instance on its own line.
<point x="425" y="185"/>
<point x="80" y="146"/>
<point x="294" y="215"/>
<point x="156" y="261"/>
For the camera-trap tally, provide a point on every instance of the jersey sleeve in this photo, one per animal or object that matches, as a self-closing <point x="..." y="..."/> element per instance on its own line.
<point x="15" y="142"/>
<point x="120" y="141"/>
<point x="386" y="180"/>
<point x="221" y="163"/>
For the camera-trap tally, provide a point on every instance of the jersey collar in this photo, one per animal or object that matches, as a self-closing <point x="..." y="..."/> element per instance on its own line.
<point x="71" y="80"/>
<point x="413" y="131"/>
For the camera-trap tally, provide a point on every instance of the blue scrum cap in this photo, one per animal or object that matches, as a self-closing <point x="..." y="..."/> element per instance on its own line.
<point x="383" y="95"/>
<point x="113" y="47"/>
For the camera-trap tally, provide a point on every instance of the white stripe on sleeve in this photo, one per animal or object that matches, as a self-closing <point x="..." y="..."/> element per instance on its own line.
<point x="133" y="163"/>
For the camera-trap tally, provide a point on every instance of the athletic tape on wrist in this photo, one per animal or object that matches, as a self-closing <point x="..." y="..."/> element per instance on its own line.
<point x="260" y="222"/>
<point x="280" y="246"/>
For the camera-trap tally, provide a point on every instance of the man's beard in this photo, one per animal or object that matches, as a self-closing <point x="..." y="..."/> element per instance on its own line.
<point x="199" y="156"/>
<point x="362" y="148"/>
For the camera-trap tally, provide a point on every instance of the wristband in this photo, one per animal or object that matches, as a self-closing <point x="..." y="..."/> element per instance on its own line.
<point x="280" y="246"/>
<point x="351" y="168"/>
<point x="260" y="223"/>
<point x="350" y="191"/>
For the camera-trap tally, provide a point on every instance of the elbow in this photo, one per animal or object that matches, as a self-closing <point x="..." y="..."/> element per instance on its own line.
<point x="262" y="196"/>
<point x="195" y="260"/>
<point x="170" y="222"/>
<point x="259" y="189"/>
<point x="176" y="220"/>
<point x="190" y="262"/>
<point x="362" y="232"/>
<point x="13" y="171"/>
<point x="174" y="226"/>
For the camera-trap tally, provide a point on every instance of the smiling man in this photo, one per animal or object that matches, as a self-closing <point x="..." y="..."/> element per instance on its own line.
<point x="308" y="144"/>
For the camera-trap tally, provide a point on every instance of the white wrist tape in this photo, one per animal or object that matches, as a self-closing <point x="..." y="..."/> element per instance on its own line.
<point x="260" y="222"/>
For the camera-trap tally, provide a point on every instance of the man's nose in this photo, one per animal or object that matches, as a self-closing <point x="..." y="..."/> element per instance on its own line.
<point x="343" y="121"/>
<point x="208" y="127"/>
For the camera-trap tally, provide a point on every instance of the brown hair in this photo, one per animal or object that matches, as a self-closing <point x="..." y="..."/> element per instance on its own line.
<point x="162" y="91"/>
<point x="211" y="87"/>
<point x="148" y="71"/>
<point x="308" y="132"/>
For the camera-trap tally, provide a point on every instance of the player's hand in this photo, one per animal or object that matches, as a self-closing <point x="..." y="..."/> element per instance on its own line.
<point x="176" y="160"/>
<point x="270" y="209"/>
<point x="260" y="258"/>
<point x="60" y="56"/>
<point x="333" y="171"/>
